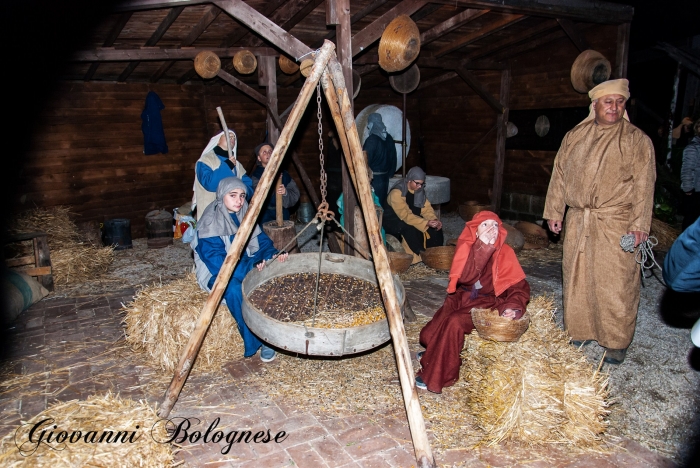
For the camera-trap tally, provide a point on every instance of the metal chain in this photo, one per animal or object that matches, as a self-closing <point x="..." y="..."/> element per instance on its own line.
<point x="324" y="176"/>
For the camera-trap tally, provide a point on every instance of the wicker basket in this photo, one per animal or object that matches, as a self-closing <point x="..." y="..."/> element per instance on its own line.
<point x="207" y="64"/>
<point x="515" y="238"/>
<point x="288" y="66"/>
<point x="439" y="258"/>
<point x="469" y="209"/>
<point x="452" y="241"/>
<point x="492" y="326"/>
<point x="306" y="66"/>
<point x="399" y="45"/>
<point x="245" y="62"/>
<point x="588" y="70"/>
<point x="399" y="261"/>
<point x="534" y="234"/>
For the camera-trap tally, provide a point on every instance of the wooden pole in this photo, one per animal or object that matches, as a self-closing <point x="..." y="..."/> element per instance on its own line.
<point x="403" y="138"/>
<point x="191" y="350"/>
<point x="424" y="455"/>
<point x="502" y="122"/>
<point x="278" y="203"/>
<point x="228" y="140"/>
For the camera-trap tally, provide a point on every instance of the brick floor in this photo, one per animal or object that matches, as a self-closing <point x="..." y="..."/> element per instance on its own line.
<point x="83" y="329"/>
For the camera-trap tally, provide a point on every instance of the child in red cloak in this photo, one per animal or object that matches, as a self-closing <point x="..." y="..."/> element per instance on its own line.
<point x="485" y="274"/>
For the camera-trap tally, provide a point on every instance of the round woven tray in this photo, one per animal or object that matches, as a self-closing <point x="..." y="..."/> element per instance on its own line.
<point x="288" y="66"/>
<point x="399" y="261"/>
<point x="492" y="326"/>
<point x="207" y="64"/>
<point x="439" y="258"/>
<point x="245" y="62"/>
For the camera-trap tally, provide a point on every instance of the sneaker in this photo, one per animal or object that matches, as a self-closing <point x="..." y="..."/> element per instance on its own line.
<point x="419" y="355"/>
<point x="267" y="354"/>
<point x="420" y="384"/>
<point x="615" y="356"/>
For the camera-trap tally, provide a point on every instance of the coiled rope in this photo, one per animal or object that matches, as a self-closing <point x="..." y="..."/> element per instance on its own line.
<point x="643" y="253"/>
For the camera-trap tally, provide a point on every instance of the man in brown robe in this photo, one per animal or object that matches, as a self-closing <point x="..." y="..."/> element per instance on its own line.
<point x="604" y="172"/>
<point x="485" y="274"/>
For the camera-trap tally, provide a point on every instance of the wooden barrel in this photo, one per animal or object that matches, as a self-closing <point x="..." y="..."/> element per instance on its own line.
<point x="159" y="229"/>
<point x="281" y="235"/>
<point x="288" y="66"/>
<point x="207" y="64"/>
<point x="399" y="45"/>
<point x="118" y="233"/>
<point x="245" y="62"/>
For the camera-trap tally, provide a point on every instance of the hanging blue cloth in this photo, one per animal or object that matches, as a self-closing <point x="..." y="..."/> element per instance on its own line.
<point x="152" y="125"/>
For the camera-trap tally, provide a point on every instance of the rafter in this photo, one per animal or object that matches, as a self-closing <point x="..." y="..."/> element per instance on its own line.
<point x="574" y="34"/>
<point x="209" y="16"/>
<point x="480" y="89"/>
<point x="153" y="40"/>
<point x="109" y="54"/>
<point x="290" y="15"/>
<point x="140" y="5"/>
<point x="241" y="31"/>
<point x="437" y="80"/>
<point x="373" y="32"/>
<point x="424" y="12"/>
<point x="113" y="35"/>
<point x="353" y="19"/>
<point x="450" y="24"/>
<point x="546" y="26"/>
<point x="497" y="25"/>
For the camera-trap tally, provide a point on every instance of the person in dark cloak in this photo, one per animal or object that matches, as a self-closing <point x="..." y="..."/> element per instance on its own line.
<point x="485" y="274"/>
<point x="288" y="189"/>
<point x="381" y="155"/>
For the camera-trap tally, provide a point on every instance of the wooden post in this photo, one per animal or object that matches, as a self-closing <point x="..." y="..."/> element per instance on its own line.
<point x="191" y="350"/>
<point x="279" y="215"/>
<point x="501" y="122"/>
<point x="267" y="76"/>
<point x="623" y="50"/>
<point x="424" y="456"/>
<point x="403" y="139"/>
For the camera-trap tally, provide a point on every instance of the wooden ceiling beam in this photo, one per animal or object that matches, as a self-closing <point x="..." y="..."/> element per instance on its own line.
<point x="153" y="40"/>
<point x="291" y="14"/>
<point x="437" y="80"/>
<point x="480" y="89"/>
<point x="209" y="16"/>
<point x="241" y="31"/>
<point x="140" y="5"/>
<point x="108" y="54"/>
<point x="450" y="24"/>
<point x="497" y="25"/>
<point x="468" y="64"/>
<point x="353" y="19"/>
<point x="574" y="34"/>
<point x="247" y="15"/>
<point x="546" y="26"/>
<point x="529" y="45"/>
<point x="373" y="31"/>
<point x="426" y="11"/>
<point x="580" y="10"/>
<point x="111" y="39"/>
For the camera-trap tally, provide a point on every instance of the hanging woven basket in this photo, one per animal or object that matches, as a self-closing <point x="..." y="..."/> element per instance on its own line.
<point x="589" y="70"/>
<point x="207" y="64"/>
<point x="245" y="62"/>
<point x="306" y="66"/>
<point x="287" y="66"/>
<point x="399" y="45"/>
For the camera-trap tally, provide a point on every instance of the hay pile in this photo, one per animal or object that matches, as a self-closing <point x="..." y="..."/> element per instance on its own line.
<point x="73" y="259"/>
<point x="537" y="390"/>
<point x="664" y="233"/>
<point x="161" y="318"/>
<point x="100" y="414"/>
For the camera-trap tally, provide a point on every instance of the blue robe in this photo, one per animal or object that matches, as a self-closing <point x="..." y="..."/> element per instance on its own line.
<point x="212" y="252"/>
<point x="682" y="263"/>
<point x="210" y="178"/>
<point x="152" y="125"/>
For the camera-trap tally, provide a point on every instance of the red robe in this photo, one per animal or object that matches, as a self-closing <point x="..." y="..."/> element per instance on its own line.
<point x="443" y="336"/>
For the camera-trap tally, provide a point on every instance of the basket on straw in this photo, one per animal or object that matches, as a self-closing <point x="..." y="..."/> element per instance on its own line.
<point x="439" y="258"/>
<point x="492" y="326"/>
<point x="535" y="235"/>
<point x="399" y="261"/>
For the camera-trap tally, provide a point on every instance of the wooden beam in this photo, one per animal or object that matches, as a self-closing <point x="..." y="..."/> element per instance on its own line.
<point x="108" y="54"/>
<point x="437" y="80"/>
<point x="209" y="16"/>
<point x="187" y="76"/>
<point x="574" y="34"/>
<point x="373" y="31"/>
<point x="432" y="62"/>
<point x="267" y="77"/>
<point x="153" y="40"/>
<point x="355" y="18"/>
<point x="114" y="33"/>
<point x="196" y="338"/>
<point x="529" y="45"/>
<point x="497" y="25"/>
<point x="139" y="5"/>
<point x="623" y="50"/>
<point x="450" y="24"/>
<point x="247" y="15"/>
<point x="546" y="26"/>
<point x="241" y="31"/>
<point x="581" y="10"/>
<point x="480" y="89"/>
<point x="425" y="11"/>
<point x="247" y="90"/>
<point x="502" y="123"/>
<point x="290" y="15"/>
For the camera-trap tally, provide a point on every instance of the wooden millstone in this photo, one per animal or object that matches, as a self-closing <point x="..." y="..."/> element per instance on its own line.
<point x="281" y="235"/>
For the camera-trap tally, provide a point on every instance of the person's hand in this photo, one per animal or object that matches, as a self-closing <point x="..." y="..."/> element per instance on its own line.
<point x="554" y="225"/>
<point x="639" y="237"/>
<point x="690" y="193"/>
<point x="687" y="122"/>
<point x="509" y="313"/>
<point x="434" y="223"/>
<point x="283" y="257"/>
<point x="281" y="190"/>
<point x="260" y="265"/>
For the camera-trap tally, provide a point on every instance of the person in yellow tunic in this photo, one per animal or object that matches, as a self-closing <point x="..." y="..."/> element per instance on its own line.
<point x="604" y="172"/>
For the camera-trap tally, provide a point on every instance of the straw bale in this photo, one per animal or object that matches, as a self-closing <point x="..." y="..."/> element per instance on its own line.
<point x="108" y="413"/>
<point x="664" y="233"/>
<point x="537" y="390"/>
<point x="73" y="258"/>
<point x="161" y="318"/>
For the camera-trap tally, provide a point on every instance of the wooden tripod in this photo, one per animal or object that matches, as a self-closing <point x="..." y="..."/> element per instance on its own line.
<point x="326" y="69"/>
